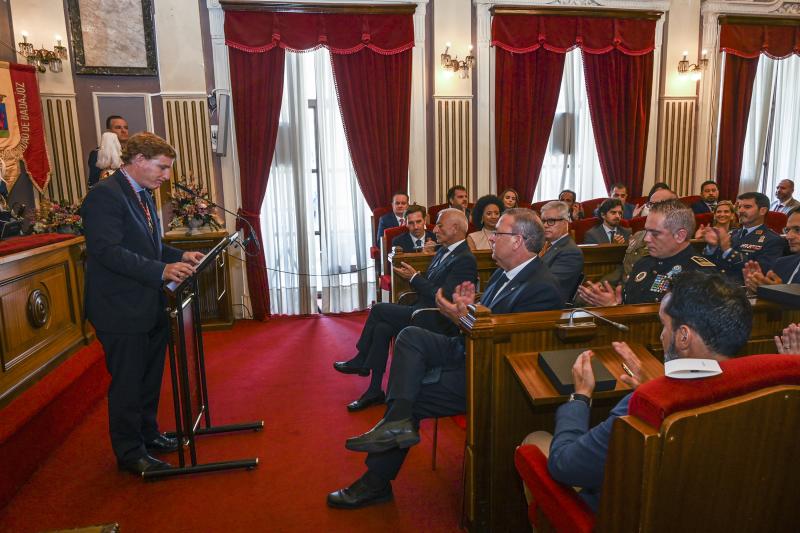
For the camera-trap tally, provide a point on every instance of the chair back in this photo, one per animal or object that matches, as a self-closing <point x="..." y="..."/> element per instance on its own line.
<point x="704" y="219"/>
<point x="388" y="236"/>
<point x="637" y="224"/>
<point x="537" y="206"/>
<point x="377" y="213"/>
<point x="433" y="211"/>
<point x="713" y="454"/>
<point x="580" y="227"/>
<point x="689" y="200"/>
<point x="776" y="221"/>
<point x="590" y="205"/>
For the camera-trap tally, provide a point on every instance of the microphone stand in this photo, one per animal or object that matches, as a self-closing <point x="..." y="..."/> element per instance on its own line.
<point x="583" y="331"/>
<point x="251" y="237"/>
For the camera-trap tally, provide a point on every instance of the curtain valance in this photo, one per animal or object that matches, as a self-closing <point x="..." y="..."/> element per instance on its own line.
<point x="256" y="32"/>
<point x="751" y="40"/>
<point x="594" y="35"/>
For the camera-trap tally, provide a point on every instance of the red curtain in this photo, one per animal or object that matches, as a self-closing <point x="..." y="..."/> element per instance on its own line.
<point x="372" y="67"/>
<point x="256" y="84"/>
<point x="619" y="87"/>
<point x="737" y="92"/>
<point x="524" y="118"/>
<point x="375" y="99"/>
<point x="752" y="40"/>
<point x="618" y="58"/>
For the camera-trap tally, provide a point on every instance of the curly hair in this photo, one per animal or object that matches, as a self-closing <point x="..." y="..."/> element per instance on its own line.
<point x="481" y="205"/>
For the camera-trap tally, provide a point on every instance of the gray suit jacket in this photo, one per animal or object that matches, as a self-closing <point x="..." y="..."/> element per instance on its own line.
<point x="598" y="235"/>
<point x="565" y="261"/>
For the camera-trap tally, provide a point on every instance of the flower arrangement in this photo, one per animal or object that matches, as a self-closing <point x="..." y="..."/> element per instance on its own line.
<point x="192" y="212"/>
<point x="59" y="217"/>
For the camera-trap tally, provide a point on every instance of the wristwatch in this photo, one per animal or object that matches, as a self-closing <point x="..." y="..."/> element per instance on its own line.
<point x="581" y="398"/>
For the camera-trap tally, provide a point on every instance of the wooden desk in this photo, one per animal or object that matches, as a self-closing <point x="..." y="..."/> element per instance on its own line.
<point x="500" y="412"/>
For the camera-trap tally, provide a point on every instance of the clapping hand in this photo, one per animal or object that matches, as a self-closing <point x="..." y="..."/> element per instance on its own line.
<point x="619" y="239"/>
<point x="463" y="296"/>
<point x="753" y="276"/>
<point x="789" y="341"/>
<point x="582" y="374"/>
<point x="632" y="362"/>
<point x="405" y="270"/>
<point x="600" y="294"/>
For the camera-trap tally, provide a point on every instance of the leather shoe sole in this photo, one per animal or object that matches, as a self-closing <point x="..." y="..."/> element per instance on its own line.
<point x="143" y="464"/>
<point x="385" y="436"/>
<point x="363" y="403"/>
<point x="346" y="499"/>
<point x="346" y="368"/>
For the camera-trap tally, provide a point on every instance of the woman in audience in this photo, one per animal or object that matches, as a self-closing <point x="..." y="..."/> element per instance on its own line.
<point x="510" y="199"/>
<point x="724" y="218"/>
<point x="485" y="215"/>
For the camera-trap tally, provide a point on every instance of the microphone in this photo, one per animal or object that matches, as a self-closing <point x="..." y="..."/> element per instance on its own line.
<point x="619" y="326"/>
<point x="251" y="237"/>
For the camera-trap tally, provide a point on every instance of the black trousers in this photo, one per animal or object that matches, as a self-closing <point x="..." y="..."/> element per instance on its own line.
<point x="415" y="351"/>
<point x="385" y="320"/>
<point x="136" y="364"/>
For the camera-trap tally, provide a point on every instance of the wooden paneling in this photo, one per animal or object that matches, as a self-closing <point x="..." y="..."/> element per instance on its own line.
<point x="453" y="119"/>
<point x="500" y="412"/>
<point x="68" y="181"/>
<point x="215" y="295"/>
<point x="678" y="127"/>
<point x="187" y="126"/>
<point x="27" y="350"/>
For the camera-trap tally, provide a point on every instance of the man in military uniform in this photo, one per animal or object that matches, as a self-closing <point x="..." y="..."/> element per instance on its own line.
<point x="668" y="229"/>
<point x="752" y="242"/>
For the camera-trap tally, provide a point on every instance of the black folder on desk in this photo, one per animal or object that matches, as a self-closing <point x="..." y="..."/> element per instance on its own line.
<point x="557" y="366"/>
<point x="788" y="295"/>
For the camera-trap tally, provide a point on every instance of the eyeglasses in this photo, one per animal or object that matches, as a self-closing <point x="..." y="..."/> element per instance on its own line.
<point x="552" y="221"/>
<point x="496" y="233"/>
<point x="789" y="229"/>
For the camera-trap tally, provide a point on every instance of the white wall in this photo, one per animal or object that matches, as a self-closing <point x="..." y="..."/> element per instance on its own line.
<point x="180" y="48"/>
<point x="683" y="34"/>
<point x="452" y="23"/>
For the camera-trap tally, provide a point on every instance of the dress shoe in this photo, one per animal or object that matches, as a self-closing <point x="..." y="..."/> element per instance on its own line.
<point x="359" y="495"/>
<point x="162" y="444"/>
<point x="366" y="401"/>
<point x="143" y="464"/>
<point x="347" y="367"/>
<point x="385" y="436"/>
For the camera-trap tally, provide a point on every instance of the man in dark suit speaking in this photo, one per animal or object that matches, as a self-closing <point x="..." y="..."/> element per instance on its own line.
<point x="125" y="268"/>
<point x="428" y="375"/>
<point x="453" y="264"/>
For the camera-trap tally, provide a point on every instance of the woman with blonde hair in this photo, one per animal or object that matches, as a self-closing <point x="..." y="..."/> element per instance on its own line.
<point x="109" y="156"/>
<point x="724" y="218"/>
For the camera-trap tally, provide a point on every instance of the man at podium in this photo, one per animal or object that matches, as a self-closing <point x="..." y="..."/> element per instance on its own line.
<point x="126" y="265"/>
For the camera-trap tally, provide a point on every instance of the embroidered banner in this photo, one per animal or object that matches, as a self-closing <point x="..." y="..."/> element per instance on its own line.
<point x="21" y="126"/>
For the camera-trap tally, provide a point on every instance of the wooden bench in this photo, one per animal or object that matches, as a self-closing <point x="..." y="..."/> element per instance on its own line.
<point x="500" y="413"/>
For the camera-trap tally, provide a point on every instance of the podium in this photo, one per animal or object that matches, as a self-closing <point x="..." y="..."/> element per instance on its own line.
<point x="187" y="369"/>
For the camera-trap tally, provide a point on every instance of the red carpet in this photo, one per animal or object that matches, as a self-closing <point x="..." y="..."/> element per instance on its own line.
<point x="279" y="371"/>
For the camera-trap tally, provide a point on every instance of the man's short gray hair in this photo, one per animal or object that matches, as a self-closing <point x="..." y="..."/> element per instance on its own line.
<point x="561" y="207"/>
<point x="460" y="221"/>
<point x="527" y="224"/>
<point x="677" y="216"/>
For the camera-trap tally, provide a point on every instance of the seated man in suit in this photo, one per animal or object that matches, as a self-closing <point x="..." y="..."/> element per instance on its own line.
<point x="619" y="191"/>
<point x="397" y="217"/>
<point x="709" y="193"/>
<point x="786" y="269"/>
<point x="560" y="254"/>
<point x="784" y="201"/>
<point x="452" y="265"/>
<point x="428" y="376"/>
<point x="753" y="241"/>
<point x="417" y="237"/>
<point x="668" y="228"/>
<point x="693" y="327"/>
<point x="609" y="230"/>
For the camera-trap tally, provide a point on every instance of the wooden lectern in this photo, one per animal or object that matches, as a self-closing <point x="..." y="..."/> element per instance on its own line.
<point x="188" y="373"/>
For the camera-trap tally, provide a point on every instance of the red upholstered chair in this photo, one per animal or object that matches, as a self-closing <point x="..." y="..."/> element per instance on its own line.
<point x="388" y="236"/>
<point x="713" y="454"/>
<point x="637" y="224"/>
<point x="590" y="205"/>
<point x="580" y="227"/>
<point x="703" y="219"/>
<point x="776" y="221"/>
<point x="433" y="211"/>
<point x="375" y="249"/>
<point x="689" y="200"/>
<point x="639" y="200"/>
<point x="525" y="205"/>
<point x="538" y="205"/>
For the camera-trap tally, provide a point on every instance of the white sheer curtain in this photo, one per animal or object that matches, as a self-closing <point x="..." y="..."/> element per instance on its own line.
<point x="314" y="217"/>
<point x="758" y="122"/>
<point x="571" y="160"/>
<point x="772" y="141"/>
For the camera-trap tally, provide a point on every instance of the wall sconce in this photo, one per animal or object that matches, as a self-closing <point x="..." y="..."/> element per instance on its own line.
<point x="42" y="58"/>
<point x="459" y="67"/>
<point x="694" y="70"/>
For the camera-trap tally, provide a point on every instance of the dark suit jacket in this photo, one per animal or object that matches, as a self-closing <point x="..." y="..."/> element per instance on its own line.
<point x="533" y="289"/>
<point x="459" y="266"/>
<point x="784" y="267"/>
<point x="406" y="242"/>
<point x="124" y="261"/>
<point x="700" y="207"/>
<point x="565" y="261"/>
<point x="94" y="172"/>
<point x="598" y="235"/>
<point x="386" y="221"/>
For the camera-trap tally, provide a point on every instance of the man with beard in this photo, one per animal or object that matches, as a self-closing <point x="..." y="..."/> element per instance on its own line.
<point x="609" y="230"/>
<point x="709" y="195"/>
<point x="703" y="317"/>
